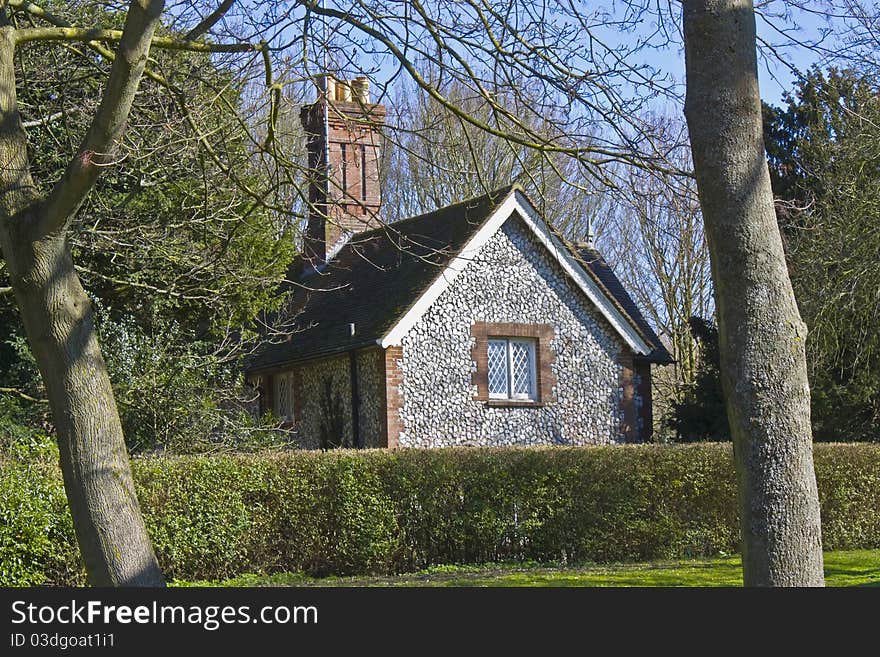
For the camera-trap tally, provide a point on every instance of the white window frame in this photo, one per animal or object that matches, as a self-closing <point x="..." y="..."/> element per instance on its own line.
<point x="532" y="345"/>
<point x="285" y="379"/>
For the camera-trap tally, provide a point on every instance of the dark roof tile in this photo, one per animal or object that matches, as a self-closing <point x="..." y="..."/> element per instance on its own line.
<point x="593" y="262"/>
<point x="371" y="282"/>
<point x="377" y="277"/>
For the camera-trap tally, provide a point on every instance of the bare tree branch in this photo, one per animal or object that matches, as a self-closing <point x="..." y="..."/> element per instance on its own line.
<point x="93" y="34"/>
<point x="177" y="44"/>
<point x="43" y="121"/>
<point x="99" y="145"/>
<point x="34" y="10"/>
<point x="210" y="20"/>
<point x="22" y="395"/>
<point x="529" y="140"/>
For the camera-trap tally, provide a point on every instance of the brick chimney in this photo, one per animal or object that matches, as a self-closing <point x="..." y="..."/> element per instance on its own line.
<point x="344" y="194"/>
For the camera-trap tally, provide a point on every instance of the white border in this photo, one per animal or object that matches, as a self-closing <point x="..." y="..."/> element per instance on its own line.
<point x="516" y="201"/>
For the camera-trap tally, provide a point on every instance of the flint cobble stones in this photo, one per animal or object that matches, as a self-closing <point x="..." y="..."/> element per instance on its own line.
<point x="511" y="279"/>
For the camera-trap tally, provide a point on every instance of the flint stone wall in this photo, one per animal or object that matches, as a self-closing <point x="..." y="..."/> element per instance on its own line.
<point x="512" y="279"/>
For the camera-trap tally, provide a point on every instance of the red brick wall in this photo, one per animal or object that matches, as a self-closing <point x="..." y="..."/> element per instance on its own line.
<point x="646" y="412"/>
<point x="628" y="421"/>
<point x="353" y="207"/>
<point x="635" y="381"/>
<point x="267" y="398"/>
<point x="297" y="395"/>
<point x="393" y="379"/>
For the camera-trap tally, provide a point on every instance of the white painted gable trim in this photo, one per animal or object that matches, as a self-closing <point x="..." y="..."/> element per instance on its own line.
<point x="516" y="201"/>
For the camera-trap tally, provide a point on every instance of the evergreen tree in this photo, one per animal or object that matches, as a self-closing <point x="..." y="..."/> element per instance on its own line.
<point x="178" y="259"/>
<point x="700" y="415"/>
<point x="824" y="154"/>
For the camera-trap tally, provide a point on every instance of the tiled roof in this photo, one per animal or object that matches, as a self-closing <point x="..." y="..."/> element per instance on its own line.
<point x="372" y="281"/>
<point x="379" y="274"/>
<point x="593" y="262"/>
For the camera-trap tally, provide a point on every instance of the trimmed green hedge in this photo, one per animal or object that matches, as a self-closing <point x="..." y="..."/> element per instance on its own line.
<point x="350" y="512"/>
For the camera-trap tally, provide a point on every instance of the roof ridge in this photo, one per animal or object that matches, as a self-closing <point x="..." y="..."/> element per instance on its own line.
<point x="499" y="193"/>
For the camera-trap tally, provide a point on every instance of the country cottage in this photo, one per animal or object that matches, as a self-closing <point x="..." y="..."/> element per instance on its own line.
<point x="475" y="324"/>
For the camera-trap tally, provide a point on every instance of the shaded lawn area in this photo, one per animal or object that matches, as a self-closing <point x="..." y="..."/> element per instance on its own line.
<point x="844" y="568"/>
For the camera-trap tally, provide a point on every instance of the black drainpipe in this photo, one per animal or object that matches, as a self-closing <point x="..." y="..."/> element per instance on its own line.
<point x="355" y="401"/>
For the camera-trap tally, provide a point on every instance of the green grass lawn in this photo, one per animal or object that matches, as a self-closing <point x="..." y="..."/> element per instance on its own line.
<point x="851" y="568"/>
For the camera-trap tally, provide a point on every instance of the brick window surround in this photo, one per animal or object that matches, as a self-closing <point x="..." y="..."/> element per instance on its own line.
<point x="542" y="334"/>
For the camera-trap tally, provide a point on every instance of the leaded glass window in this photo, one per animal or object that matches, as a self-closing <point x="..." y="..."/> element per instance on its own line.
<point x="511" y="369"/>
<point x="284" y="396"/>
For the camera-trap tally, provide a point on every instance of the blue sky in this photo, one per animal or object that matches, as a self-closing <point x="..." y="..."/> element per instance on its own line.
<point x="775" y="77"/>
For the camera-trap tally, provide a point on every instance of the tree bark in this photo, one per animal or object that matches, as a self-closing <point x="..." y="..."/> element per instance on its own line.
<point x="762" y="337"/>
<point x="59" y="323"/>
<point x="58" y="320"/>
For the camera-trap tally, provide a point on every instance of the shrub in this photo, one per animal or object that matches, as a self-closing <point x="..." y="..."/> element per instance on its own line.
<point x="347" y="512"/>
<point x="219" y="516"/>
<point x="37" y="544"/>
<point x="849" y="494"/>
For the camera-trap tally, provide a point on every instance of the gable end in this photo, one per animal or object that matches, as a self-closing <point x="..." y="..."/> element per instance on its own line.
<point x="518" y="203"/>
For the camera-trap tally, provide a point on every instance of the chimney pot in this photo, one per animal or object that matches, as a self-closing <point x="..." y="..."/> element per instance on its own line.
<point x="326" y="86"/>
<point x="360" y="88"/>
<point x="343" y="91"/>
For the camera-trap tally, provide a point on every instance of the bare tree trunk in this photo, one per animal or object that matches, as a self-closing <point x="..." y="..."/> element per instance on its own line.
<point x="58" y="320"/>
<point x="761" y="334"/>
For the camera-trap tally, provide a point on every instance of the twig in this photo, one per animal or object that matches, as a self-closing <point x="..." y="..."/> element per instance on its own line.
<point x="23" y="395"/>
